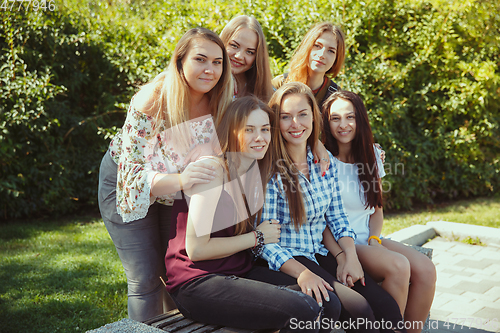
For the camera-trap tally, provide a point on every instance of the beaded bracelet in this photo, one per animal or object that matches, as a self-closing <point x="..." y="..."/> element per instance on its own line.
<point x="259" y="247"/>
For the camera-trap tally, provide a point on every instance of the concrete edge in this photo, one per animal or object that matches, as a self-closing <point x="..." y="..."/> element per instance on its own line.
<point x="415" y="235"/>
<point x="452" y="230"/>
<point x="420" y="234"/>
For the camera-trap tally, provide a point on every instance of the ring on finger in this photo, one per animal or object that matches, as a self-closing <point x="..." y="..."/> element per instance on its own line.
<point x="324" y="159"/>
<point x="308" y="289"/>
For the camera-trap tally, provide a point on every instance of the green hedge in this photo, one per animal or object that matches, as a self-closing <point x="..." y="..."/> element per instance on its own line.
<point x="428" y="73"/>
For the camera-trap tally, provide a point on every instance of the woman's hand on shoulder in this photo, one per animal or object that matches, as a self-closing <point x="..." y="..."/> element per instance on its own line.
<point x="321" y="155"/>
<point x="271" y="230"/>
<point x="200" y="172"/>
<point x="382" y="152"/>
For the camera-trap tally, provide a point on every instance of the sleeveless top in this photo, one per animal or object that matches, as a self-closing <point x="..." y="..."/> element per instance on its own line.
<point x="180" y="269"/>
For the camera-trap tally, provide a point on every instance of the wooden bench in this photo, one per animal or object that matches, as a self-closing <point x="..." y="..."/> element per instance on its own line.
<point x="174" y="321"/>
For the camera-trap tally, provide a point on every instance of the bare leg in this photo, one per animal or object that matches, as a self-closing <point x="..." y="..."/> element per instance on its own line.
<point x="388" y="267"/>
<point x="422" y="284"/>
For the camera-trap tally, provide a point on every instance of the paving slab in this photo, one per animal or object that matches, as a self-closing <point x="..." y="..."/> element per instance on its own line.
<point x="467" y="289"/>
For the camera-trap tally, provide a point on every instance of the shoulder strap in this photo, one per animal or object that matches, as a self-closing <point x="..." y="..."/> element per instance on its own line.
<point x="333" y="87"/>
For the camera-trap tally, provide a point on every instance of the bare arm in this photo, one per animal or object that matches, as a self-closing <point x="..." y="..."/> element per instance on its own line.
<point x="203" y="204"/>
<point x="321" y="155"/>
<point x="349" y="269"/>
<point x="376" y="223"/>
<point x="330" y="242"/>
<point x="199" y="172"/>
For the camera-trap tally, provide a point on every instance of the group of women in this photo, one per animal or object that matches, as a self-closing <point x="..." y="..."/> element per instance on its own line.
<point x="222" y="185"/>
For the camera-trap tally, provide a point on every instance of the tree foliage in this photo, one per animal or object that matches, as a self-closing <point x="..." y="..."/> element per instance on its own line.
<point x="427" y="71"/>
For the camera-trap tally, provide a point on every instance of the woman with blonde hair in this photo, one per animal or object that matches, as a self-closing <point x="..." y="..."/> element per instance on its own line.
<point x="319" y="58"/>
<point x="148" y="161"/>
<point x="246" y="47"/>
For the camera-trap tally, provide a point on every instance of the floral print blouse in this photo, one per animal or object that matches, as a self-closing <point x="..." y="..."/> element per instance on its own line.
<point x="141" y="155"/>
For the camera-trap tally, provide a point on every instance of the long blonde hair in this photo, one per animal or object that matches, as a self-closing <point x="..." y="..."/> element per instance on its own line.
<point x="286" y="167"/>
<point x="259" y="76"/>
<point x="299" y="64"/>
<point x="228" y="131"/>
<point x="172" y="89"/>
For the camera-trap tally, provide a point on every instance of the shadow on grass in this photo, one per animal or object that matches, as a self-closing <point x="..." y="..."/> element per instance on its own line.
<point x="57" y="291"/>
<point x="27" y="229"/>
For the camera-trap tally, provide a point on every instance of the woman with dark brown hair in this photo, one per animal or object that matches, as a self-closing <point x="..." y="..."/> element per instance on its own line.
<point x="406" y="274"/>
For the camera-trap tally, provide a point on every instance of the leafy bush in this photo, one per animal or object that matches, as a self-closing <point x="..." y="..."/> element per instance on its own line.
<point x="428" y="73"/>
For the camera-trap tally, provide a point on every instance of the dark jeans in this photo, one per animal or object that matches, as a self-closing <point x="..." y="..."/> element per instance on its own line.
<point x="370" y="302"/>
<point x="243" y="303"/>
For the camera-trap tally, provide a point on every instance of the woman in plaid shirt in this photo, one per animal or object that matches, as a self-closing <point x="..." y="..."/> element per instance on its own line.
<point x="305" y="202"/>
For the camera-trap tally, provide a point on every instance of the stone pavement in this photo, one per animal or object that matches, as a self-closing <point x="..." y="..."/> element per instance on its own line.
<point x="468" y="287"/>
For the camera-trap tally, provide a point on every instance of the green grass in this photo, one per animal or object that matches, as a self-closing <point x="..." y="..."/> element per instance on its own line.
<point x="480" y="211"/>
<point x="65" y="276"/>
<point x="59" y="277"/>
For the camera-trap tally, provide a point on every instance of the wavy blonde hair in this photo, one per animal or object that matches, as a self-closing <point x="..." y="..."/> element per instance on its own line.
<point x="259" y="76"/>
<point x="286" y="168"/>
<point x="172" y="90"/>
<point x="299" y="64"/>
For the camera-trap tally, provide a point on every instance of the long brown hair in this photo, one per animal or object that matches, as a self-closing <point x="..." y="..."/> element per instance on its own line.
<point x="259" y="76"/>
<point x="362" y="152"/>
<point x="284" y="164"/>
<point x="228" y="131"/>
<point x="299" y="64"/>
<point x="172" y="89"/>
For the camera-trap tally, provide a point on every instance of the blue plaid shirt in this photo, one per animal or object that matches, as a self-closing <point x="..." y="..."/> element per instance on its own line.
<point x="324" y="207"/>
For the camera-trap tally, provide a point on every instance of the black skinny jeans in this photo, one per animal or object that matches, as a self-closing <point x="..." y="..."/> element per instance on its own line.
<point x="244" y="303"/>
<point x="370" y="302"/>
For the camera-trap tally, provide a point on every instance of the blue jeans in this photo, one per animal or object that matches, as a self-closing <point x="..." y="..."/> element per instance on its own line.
<point x="141" y="246"/>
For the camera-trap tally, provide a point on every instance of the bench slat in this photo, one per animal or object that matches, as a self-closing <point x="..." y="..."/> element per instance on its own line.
<point x="161" y="317"/>
<point x="196" y="327"/>
<point x="168" y="327"/>
<point x="168" y="321"/>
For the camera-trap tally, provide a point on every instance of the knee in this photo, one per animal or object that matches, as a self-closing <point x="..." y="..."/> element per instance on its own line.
<point x="333" y="307"/>
<point x="141" y="284"/>
<point x="423" y="272"/>
<point x="304" y="307"/>
<point x="399" y="268"/>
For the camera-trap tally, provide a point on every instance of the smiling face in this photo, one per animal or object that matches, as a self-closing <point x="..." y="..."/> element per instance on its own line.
<point x="202" y="66"/>
<point x="343" y="121"/>
<point x="323" y="53"/>
<point x="254" y="138"/>
<point x="296" y="119"/>
<point x="241" y="49"/>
